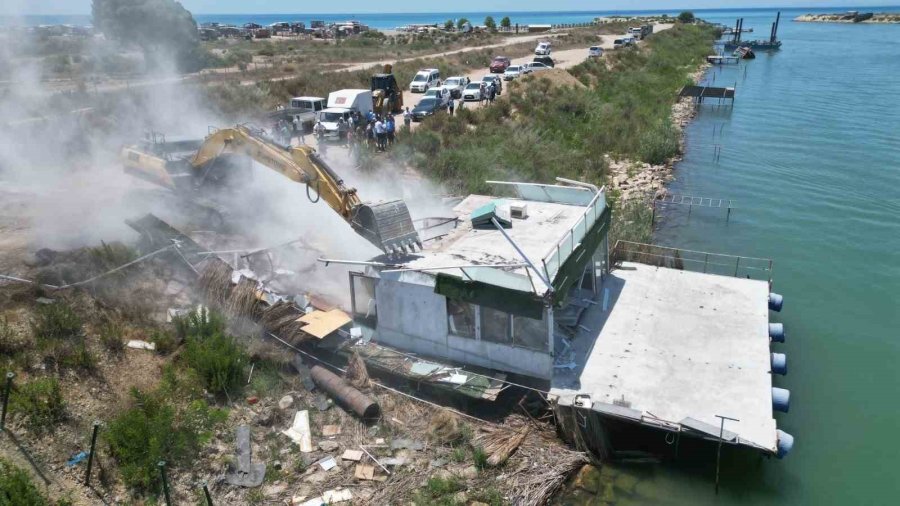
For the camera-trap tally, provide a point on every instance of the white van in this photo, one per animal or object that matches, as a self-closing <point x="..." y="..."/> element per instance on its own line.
<point x="542" y="49"/>
<point x="424" y="79"/>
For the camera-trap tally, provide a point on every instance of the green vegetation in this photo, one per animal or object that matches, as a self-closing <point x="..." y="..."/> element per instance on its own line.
<point x="111" y="337"/>
<point x="686" y="17"/>
<point x="480" y="457"/>
<point x="40" y="402"/>
<point x="59" y="337"/>
<point x="16" y="488"/>
<point x="13" y="348"/>
<point x="439" y="487"/>
<point x="448" y="25"/>
<point x="489" y="23"/>
<point x="161" y="425"/>
<point x="216" y="357"/>
<point x="542" y="130"/>
<point x="505" y="22"/>
<point x="461" y="22"/>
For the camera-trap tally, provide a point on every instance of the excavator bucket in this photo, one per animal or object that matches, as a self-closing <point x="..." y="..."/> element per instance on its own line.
<point x="388" y="225"/>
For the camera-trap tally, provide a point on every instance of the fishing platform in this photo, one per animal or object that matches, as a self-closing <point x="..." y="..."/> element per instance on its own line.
<point x="701" y="93"/>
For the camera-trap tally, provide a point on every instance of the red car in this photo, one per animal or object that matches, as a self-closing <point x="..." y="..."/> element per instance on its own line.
<point x="499" y="65"/>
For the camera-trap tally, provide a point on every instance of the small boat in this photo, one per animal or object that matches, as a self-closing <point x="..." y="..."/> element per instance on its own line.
<point x="744" y="53"/>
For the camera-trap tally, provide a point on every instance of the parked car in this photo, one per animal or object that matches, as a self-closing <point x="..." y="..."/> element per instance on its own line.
<point x="456" y="85"/>
<point x="473" y="91"/>
<point x="595" y="52"/>
<point x="491" y="79"/>
<point x="535" y="66"/>
<point x="543" y="49"/>
<point x="546" y="60"/>
<point x="428" y="106"/>
<point x="499" y="64"/>
<point x="442" y="93"/>
<point x="619" y="43"/>
<point x="424" y="79"/>
<point x="512" y="72"/>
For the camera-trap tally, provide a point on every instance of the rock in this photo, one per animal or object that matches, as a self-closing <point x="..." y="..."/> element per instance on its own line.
<point x="443" y="474"/>
<point x="468" y="473"/>
<point x="285" y="402"/>
<point x="460" y="498"/>
<point x="265" y="419"/>
<point x="328" y="446"/>
<point x="274" y="490"/>
<point x="588" y="479"/>
<point x="316" y="477"/>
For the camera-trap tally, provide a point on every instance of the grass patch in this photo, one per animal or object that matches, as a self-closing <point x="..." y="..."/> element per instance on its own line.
<point x="111" y="337"/>
<point x="17" y="489"/>
<point x="40" y="403"/>
<point x="439" y="487"/>
<point x="59" y="337"/>
<point x="165" y="342"/>
<point x="479" y="457"/>
<point x="160" y="425"/>
<point x="13" y="347"/>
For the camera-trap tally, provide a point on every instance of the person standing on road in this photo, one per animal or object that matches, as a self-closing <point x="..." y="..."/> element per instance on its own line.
<point x="451" y="105"/>
<point x="370" y="134"/>
<point x="492" y="94"/>
<point x="390" y="127"/>
<point x="295" y="127"/>
<point x="407" y="118"/>
<point x="379" y="134"/>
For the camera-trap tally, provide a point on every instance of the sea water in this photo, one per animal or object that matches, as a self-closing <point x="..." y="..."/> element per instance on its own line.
<point x="810" y="155"/>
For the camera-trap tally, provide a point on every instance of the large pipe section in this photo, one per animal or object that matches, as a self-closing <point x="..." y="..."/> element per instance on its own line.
<point x="339" y="389"/>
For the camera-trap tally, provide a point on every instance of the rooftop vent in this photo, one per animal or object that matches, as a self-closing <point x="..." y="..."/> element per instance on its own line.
<point x="518" y="211"/>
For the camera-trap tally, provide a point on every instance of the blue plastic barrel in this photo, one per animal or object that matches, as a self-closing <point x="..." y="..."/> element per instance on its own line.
<point x="781" y="399"/>
<point x="775" y="301"/>
<point x="785" y="443"/>
<point x="779" y="363"/>
<point x="776" y="332"/>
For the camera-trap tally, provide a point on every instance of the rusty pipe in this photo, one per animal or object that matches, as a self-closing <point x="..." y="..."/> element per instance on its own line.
<point x="339" y="389"/>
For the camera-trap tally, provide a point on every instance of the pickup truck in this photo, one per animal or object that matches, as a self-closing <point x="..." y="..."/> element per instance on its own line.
<point x="456" y="85"/>
<point x="305" y="109"/>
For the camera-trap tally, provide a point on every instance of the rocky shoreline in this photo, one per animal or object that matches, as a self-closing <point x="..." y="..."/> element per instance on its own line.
<point x="634" y="179"/>
<point x="851" y="17"/>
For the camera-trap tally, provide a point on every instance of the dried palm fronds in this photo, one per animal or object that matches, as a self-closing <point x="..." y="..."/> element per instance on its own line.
<point x="500" y="444"/>
<point x="357" y="374"/>
<point x="243" y="301"/>
<point x="215" y="283"/>
<point x="281" y="320"/>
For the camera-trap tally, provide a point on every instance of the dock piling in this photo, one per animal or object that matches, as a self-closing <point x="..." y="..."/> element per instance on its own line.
<point x="719" y="449"/>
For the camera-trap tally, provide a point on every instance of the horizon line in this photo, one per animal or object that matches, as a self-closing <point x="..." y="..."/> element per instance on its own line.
<point x="585" y="11"/>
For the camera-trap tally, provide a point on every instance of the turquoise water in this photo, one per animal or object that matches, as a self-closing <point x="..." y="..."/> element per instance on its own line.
<point x="811" y="155"/>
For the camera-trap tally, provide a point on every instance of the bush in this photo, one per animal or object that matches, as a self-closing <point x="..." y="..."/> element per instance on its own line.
<point x="165" y="342"/>
<point x="111" y="337"/>
<point x="40" y="402"/>
<point x="158" y="428"/>
<point x="686" y="17"/>
<point x="59" y="337"/>
<point x="16" y="488"/>
<point x="216" y="357"/>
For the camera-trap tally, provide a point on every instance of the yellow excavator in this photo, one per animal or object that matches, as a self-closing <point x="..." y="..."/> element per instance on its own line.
<point x="387" y="97"/>
<point x="183" y="166"/>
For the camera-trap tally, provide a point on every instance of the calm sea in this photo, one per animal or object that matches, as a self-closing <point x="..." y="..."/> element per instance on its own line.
<point x="810" y="153"/>
<point x="394" y="20"/>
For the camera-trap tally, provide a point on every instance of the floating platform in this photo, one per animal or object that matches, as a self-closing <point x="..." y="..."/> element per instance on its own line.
<point x="671" y="349"/>
<point x="719" y="59"/>
<point x="701" y="93"/>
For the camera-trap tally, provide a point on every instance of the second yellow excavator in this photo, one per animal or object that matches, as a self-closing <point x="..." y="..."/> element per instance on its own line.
<point x="182" y="165"/>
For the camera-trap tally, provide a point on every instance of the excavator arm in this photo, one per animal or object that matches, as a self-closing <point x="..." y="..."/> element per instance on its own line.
<point x="388" y="225"/>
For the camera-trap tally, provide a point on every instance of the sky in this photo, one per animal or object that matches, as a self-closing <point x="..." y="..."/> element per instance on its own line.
<point x="9" y="7"/>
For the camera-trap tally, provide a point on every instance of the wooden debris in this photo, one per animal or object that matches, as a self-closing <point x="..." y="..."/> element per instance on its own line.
<point x="501" y="444"/>
<point x="352" y="455"/>
<point x="364" y="472"/>
<point x="331" y="430"/>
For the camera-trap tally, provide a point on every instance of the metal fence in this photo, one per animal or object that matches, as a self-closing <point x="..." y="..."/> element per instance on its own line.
<point x="696" y="261"/>
<point x="554" y="259"/>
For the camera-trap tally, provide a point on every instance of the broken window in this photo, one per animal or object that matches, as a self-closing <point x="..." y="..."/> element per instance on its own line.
<point x="495" y="326"/>
<point x="461" y="318"/>
<point x="362" y="292"/>
<point x="529" y="333"/>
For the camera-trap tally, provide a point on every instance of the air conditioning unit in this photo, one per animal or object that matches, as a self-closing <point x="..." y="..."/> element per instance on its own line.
<point x="518" y="211"/>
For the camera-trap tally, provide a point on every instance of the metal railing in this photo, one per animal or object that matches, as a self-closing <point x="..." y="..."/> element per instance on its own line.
<point x="690" y="260"/>
<point x="562" y="249"/>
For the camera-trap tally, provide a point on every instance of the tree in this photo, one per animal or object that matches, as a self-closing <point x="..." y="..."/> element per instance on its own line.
<point x="448" y="25"/>
<point x="489" y="23"/>
<point x="461" y="22"/>
<point x="686" y="17"/>
<point x="505" y="22"/>
<point x="163" y="29"/>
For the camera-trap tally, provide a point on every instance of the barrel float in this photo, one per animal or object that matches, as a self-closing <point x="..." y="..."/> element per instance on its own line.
<point x="785" y="443"/>
<point x="779" y="363"/>
<point x="781" y="399"/>
<point x="776" y="332"/>
<point x="775" y="301"/>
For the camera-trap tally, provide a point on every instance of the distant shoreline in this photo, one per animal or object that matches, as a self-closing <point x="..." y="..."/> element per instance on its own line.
<point x="883" y="18"/>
